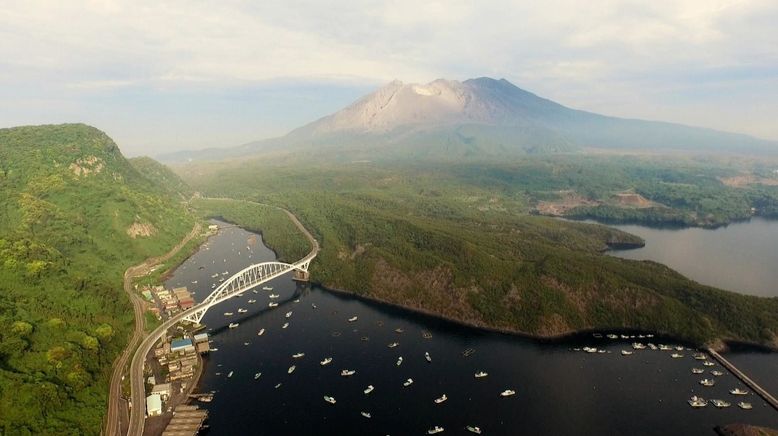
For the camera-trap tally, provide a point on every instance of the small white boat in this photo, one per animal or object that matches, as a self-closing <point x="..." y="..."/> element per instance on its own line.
<point x="435" y="430"/>
<point x="257" y="375"/>
<point x="288" y="314"/>
<point x="707" y="382"/>
<point x="252" y="301"/>
<point x="326" y="361"/>
<point x="213" y="286"/>
<point x="481" y="374"/>
<point x="427" y="356"/>
<point x="348" y="372"/>
<point x="745" y="406"/>
<point x="286" y="324"/>
<point x="612" y="336"/>
<point x="626" y="352"/>
<point x="213" y="276"/>
<point x="365" y="414"/>
<point x="298" y="355"/>
<point x="652" y="346"/>
<point x="194" y="282"/>
<point x="278" y="385"/>
<point x="441" y="399"/>
<point x="676" y="356"/>
<point x="408" y="382"/>
<point x="272" y="304"/>
<point x="314" y="305"/>
<point x="352" y="319"/>
<point x="246" y="343"/>
<point x="255" y="291"/>
<point x="398" y="330"/>
<point x="700" y="356"/>
<point x="717" y="373"/>
<point x="230" y="374"/>
<point x="267" y="288"/>
<point x="507" y="393"/>
<point x="399" y="361"/>
<point x="234" y="325"/>
<point x="214" y="349"/>
<point x="738" y="391"/>
<point x="261" y="332"/>
<point x="708" y="363"/>
<point x="393" y="344"/>
<point x="242" y="310"/>
<point x="227" y="313"/>
<point x="291" y="369"/>
<point x="473" y="429"/>
<point x="369" y="389"/>
<point x="329" y="399"/>
<point x="697" y="402"/>
<point x="273" y="296"/>
<point x="697" y="370"/>
<point x="665" y="347"/>
<point x="721" y="404"/>
<point x="297" y="300"/>
<point x="638" y="346"/>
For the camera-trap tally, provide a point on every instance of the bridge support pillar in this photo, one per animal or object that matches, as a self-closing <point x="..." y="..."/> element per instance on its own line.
<point x="302" y="276"/>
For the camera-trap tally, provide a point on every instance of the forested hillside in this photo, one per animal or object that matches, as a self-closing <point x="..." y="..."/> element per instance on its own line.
<point x="460" y="242"/>
<point x="74" y="214"/>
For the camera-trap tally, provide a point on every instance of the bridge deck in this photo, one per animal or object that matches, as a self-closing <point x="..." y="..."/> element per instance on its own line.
<point x="771" y="400"/>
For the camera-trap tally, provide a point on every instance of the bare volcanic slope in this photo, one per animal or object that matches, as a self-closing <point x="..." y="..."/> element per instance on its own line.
<point x="480" y="117"/>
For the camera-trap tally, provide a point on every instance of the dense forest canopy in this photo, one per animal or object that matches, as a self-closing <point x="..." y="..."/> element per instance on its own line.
<point x="74" y="214"/>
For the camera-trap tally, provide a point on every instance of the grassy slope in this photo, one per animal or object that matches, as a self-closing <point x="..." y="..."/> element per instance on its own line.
<point x="63" y="249"/>
<point x="432" y="239"/>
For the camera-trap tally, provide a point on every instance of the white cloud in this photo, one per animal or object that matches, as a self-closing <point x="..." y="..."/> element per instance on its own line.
<point x="601" y="55"/>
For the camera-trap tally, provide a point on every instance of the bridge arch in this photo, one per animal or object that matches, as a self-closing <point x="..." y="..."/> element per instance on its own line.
<point x="244" y="280"/>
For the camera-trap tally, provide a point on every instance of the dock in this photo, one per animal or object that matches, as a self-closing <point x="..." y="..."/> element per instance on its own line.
<point x="187" y="421"/>
<point x="771" y="400"/>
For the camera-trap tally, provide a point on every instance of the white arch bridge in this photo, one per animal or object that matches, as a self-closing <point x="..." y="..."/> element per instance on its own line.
<point x="242" y="281"/>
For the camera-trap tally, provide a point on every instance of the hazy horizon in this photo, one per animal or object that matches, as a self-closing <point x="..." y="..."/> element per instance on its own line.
<point x="162" y="78"/>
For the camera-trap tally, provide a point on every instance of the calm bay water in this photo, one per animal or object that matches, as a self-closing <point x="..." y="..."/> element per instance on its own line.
<point x="741" y="257"/>
<point x="559" y="391"/>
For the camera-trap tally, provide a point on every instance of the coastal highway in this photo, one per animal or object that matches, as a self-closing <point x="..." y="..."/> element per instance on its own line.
<point x="138" y="391"/>
<point x="113" y="417"/>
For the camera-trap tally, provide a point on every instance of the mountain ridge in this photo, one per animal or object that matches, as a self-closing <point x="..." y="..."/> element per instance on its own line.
<point x="476" y="117"/>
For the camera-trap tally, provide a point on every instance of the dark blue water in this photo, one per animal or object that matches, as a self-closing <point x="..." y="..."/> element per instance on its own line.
<point x="559" y="391"/>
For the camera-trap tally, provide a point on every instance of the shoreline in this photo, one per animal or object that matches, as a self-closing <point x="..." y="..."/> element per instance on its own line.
<point x="670" y="225"/>
<point x="720" y="345"/>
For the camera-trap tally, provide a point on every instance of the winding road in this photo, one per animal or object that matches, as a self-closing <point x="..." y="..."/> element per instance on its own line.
<point x="113" y="417"/>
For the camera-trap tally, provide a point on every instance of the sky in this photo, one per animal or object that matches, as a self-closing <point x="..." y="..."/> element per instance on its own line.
<point x="162" y="76"/>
